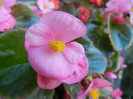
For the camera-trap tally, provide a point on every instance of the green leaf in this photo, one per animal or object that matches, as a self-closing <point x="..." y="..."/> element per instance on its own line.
<point x="115" y="63"/>
<point x="97" y="62"/>
<point x="20" y="10"/>
<point x="17" y="78"/>
<point x="41" y="94"/>
<point x="72" y="89"/>
<point x="100" y="39"/>
<point x="84" y="41"/>
<point x="100" y="19"/>
<point x="85" y="3"/>
<point x="27" y="21"/>
<point x="120" y="35"/>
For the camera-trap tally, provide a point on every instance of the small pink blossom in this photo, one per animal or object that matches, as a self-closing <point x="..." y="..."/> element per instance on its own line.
<point x="48" y="5"/>
<point x="50" y="52"/>
<point x="7" y="21"/>
<point x="116" y="94"/>
<point x="111" y="75"/>
<point x="92" y="90"/>
<point x="118" y="6"/>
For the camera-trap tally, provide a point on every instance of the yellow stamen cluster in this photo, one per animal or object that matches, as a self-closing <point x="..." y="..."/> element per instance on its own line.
<point x="57" y="45"/>
<point x="132" y="10"/>
<point x="1" y="4"/>
<point x="47" y="6"/>
<point x="89" y="78"/>
<point x="94" y="94"/>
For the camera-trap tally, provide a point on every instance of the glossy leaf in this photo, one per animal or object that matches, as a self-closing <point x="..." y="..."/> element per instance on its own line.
<point x="97" y="62"/>
<point x="100" y="39"/>
<point x="20" y="10"/>
<point x="27" y="21"/>
<point x="84" y="41"/>
<point x="120" y="35"/>
<point x="17" y="78"/>
<point x="115" y="63"/>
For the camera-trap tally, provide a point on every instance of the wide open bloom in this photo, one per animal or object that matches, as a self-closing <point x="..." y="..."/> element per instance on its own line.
<point x="48" y="5"/>
<point x="92" y="91"/>
<point x="50" y="52"/>
<point x="85" y="14"/>
<point x="7" y="21"/>
<point x="116" y="94"/>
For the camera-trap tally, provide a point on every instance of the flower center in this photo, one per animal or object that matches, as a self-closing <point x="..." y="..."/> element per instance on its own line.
<point x="57" y="45"/>
<point x="1" y="4"/>
<point x="47" y="6"/>
<point x="132" y="10"/>
<point x="94" y="94"/>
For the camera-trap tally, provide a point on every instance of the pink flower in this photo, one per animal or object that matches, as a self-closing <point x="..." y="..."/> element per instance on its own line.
<point x="5" y="5"/>
<point x="50" y="52"/>
<point x="111" y="75"/>
<point x="122" y="62"/>
<point x="116" y="94"/>
<point x="97" y="2"/>
<point x="48" y="5"/>
<point x="85" y="14"/>
<point x="118" y="6"/>
<point x="7" y="21"/>
<point x="92" y="90"/>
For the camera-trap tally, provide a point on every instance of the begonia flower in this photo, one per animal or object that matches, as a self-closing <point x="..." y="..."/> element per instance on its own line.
<point x="85" y="14"/>
<point x="7" y="21"/>
<point x="93" y="90"/>
<point x="97" y="2"/>
<point x="120" y="7"/>
<point x="48" y="5"/>
<point x="50" y="52"/>
<point x="110" y="75"/>
<point x="5" y="5"/>
<point x="116" y="94"/>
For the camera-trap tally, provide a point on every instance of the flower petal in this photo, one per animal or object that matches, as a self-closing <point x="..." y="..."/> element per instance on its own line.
<point x="64" y="26"/>
<point x="38" y="35"/>
<point x="101" y="83"/>
<point x="8" y="3"/>
<point x="47" y="83"/>
<point x="48" y="63"/>
<point x="74" y="52"/>
<point x="8" y="24"/>
<point x="79" y="73"/>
